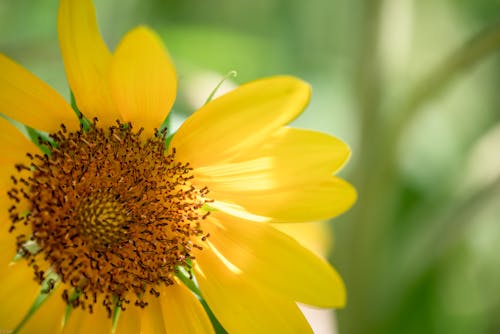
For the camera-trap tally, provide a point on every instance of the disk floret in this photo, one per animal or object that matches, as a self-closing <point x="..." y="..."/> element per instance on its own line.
<point x="112" y="214"/>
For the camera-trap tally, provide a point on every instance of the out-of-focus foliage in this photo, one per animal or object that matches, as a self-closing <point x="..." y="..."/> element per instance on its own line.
<point x="411" y="85"/>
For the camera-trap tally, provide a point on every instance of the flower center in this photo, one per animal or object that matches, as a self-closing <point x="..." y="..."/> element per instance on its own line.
<point x="102" y="221"/>
<point x="112" y="215"/>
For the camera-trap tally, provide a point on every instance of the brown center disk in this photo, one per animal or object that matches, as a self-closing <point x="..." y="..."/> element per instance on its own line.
<point x="113" y="215"/>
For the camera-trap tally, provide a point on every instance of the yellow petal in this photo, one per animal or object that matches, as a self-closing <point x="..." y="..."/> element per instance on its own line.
<point x="290" y="159"/>
<point x="240" y="120"/>
<point x="82" y="322"/>
<point x="49" y="317"/>
<point x="8" y="244"/>
<point x="18" y="291"/>
<point x="315" y="236"/>
<point x="14" y="149"/>
<point x="7" y="247"/>
<point x="142" y="320"/>
<point x="242" y="307"/>
<point x="183" y="312"/>
<point x="152" y="317"/>
<point x="86" y="60"/>
<point x="272" y="259"/>
<point x="14" y="145"/>
<point x="319" y="200"/>
<point x="129" y="321"/>
<point x="31" y="101"/>
<point x="143" y="79"/>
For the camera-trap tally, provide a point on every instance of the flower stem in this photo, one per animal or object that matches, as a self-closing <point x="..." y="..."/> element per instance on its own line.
<point x="469" y="54"/>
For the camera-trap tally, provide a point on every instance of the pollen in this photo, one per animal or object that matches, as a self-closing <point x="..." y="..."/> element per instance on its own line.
<point x="112" y="214"/>
<point x="102" y="221"/>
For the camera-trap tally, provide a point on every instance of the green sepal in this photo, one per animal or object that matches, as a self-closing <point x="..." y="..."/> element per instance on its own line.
<point x="48" y="286"/>
<point x="73" y="103"/>
<point x="83" y="120"/>
<point x="74" y="295"/>
<point x="230" y="74"/>
<point x="186" y="276"/>
<point x="168" y="139"/>
<point x="116" y="316"/>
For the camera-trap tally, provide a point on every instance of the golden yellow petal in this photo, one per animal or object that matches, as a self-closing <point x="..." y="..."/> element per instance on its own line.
<point x="82" y="322"/>
<point x="266" y="256"/>
<point x="7" y="240"/>
<point x="242" y="307"/>
<point x="49" y="317"/>
<point x="240" y="120"/>
<point x="152" y="317"/>
<point x="31" y="101"/>
<point x="14" y="145"/>
<point x="86" y="60"/>
<point x="318" y="200"/>
<point x="290" y="159"/>
<point x="137" y="320"/>
<point x="129" y="321"/>
<point x="292" y="143"/>
<point x="143" y="79"/>
<point x="18" y="291"/>
<point x="315" y="236"/>
<point x="8" y="245"/>
<point x="183" y="312"/>
<point x="14" y="149"/>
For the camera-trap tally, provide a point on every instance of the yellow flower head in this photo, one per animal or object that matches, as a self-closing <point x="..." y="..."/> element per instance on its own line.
<point x="123" y="231"/>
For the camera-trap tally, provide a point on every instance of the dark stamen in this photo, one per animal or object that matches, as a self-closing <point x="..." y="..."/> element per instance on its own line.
<point x="112" y="214"/>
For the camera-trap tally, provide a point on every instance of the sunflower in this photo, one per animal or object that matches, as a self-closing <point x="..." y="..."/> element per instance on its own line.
<point x="126" y="229"/>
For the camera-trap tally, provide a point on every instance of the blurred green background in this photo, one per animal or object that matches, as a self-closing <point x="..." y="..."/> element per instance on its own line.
<point x="411" y="85"/>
